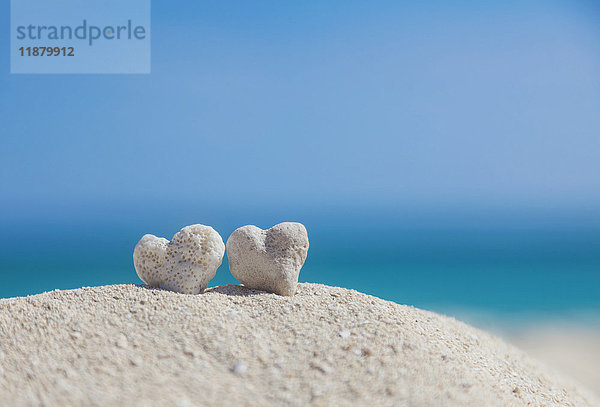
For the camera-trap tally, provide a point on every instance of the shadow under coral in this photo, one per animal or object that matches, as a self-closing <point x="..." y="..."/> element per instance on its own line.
<point x="229" y="289"/>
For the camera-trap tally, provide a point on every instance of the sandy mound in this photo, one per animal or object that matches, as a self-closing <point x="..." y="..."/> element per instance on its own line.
<point x="129" y="345"/>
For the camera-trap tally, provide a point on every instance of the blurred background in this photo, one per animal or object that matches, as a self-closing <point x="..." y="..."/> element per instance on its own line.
<point x="444" y="155"/>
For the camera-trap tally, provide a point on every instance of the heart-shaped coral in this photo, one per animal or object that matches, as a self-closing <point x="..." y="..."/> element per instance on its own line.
<point x="185" y="264"/>
<point x="268" y="260"/>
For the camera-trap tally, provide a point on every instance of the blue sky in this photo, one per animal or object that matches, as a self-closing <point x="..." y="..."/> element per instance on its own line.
<point x="400" y="135"/>
<point x="373" y="104"/>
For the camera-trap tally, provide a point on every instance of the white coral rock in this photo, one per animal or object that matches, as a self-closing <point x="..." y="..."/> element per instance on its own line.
<point x="268" y="260"/>
<point x="185" y="264"/>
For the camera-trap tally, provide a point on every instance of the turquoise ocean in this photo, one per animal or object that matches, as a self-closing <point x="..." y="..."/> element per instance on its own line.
<point x="482" y="268"/>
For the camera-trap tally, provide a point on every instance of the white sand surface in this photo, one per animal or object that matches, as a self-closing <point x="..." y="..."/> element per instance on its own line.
<point x="128" y="345"/>
<point x="570" y="348"/>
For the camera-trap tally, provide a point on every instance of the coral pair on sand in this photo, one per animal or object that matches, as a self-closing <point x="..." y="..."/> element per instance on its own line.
<point x="268" y="260"/>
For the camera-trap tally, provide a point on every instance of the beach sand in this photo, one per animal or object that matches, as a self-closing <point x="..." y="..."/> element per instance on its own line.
<point x="572" y="349"/>
<point x="128" y="345"/>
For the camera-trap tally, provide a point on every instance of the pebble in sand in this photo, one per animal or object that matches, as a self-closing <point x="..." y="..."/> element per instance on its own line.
<point x="268" y="260"/>
<point x="185" y="264"/>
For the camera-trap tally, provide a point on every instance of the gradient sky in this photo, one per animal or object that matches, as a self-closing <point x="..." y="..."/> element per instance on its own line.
<point x="377" y="103"/>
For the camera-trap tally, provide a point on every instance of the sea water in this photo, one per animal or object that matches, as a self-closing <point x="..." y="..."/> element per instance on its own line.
<point x="484" y="274"/>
